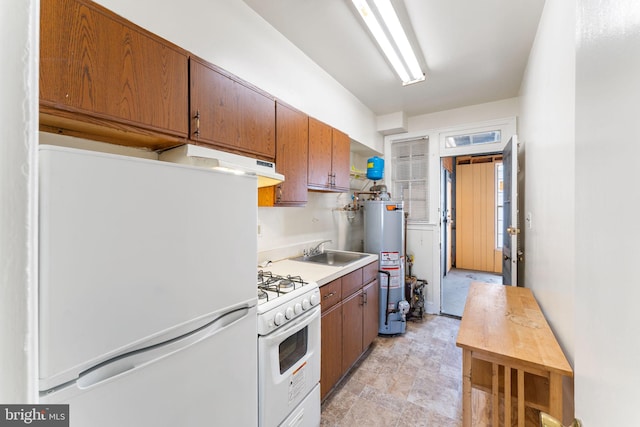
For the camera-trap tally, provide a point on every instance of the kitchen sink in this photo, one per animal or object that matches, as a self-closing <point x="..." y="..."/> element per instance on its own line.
<point x="333" y="258"/>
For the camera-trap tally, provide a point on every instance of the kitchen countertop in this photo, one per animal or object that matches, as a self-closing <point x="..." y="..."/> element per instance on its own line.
<point x="319" y="273"/>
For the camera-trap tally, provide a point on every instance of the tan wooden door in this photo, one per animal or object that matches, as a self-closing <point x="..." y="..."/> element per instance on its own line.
<point x="475" y="216"/>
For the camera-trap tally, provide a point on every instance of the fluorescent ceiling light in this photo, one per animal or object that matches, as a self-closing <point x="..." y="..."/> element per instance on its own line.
<point x="409" y="71"/>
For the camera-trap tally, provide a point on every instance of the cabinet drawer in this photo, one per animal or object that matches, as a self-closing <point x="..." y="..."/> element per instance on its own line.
<point x="351" y="282"/>
<point x="370" y="272"/>
<point x="330" y="294"/>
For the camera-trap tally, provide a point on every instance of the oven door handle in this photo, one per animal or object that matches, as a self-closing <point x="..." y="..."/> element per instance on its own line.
<point x="293" y="327"/>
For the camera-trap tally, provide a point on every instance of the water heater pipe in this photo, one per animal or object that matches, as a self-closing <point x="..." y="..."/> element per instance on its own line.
<point x="406" y="217"/>
<point x="386" y="306"/>
<point x="356" y="197"/>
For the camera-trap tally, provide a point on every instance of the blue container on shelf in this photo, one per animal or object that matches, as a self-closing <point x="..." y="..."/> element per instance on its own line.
<point x="375" y="168"/>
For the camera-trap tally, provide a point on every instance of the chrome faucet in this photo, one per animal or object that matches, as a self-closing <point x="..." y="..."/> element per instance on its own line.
<point x="316" y="249"/>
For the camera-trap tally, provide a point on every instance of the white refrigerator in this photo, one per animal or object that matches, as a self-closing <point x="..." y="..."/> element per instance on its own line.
<point x="147" y="291"/>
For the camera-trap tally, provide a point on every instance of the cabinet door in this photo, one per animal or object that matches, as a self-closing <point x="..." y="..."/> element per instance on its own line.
<point x="107" y="70"/>
<point x="257" y="121"/>
<point x="351" y="282"/>
<point x="292" y="148"/>
<point x="320" y="148"/>
<point x="352" y="309"/>
<point x="370" y="318"/>
<point x="214" y="106"/>
<point x="340" y="160"/>
<point x="330" y="348"/>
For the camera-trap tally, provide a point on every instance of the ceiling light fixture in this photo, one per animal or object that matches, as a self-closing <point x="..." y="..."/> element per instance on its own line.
<point x="407" y="68"/>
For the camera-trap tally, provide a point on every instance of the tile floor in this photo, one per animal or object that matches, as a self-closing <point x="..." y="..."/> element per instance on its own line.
<point x="455" y="286"/>
<point x="410" y="380"/>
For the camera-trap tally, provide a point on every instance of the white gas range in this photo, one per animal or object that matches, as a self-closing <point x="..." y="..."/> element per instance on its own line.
<point x="288" y="351"/>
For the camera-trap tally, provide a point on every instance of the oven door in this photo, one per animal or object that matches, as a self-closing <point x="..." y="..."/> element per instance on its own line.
<point x="289" y="369"/>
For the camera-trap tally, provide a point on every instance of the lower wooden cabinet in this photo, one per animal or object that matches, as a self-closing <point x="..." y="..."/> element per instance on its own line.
<point x="370" y="314"/>
<point x="349" y="323"/>
<point x="352" y="310"/>
<point x="330" y="349"/>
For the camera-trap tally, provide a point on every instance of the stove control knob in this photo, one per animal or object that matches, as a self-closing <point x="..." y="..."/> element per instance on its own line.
<point x="288" y="313"/>
<point x="306" y="304"/>
<point x="297" y="308"/>
<point x="278" y="319"/>
<point x="314" y="299"/>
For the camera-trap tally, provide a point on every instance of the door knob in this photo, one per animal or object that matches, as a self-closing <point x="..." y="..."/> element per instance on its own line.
<point x="513" y="231"/>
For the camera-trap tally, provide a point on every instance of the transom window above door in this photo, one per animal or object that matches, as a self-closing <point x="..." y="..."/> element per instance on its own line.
<point x="489" y="137"/>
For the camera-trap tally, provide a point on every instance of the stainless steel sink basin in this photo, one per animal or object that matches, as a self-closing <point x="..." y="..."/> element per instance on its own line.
<point x="333" y="258"/>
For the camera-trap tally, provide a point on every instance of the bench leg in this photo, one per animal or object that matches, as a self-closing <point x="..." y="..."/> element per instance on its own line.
<point x="466" y="388"/>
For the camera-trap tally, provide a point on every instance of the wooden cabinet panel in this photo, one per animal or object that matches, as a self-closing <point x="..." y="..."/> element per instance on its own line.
<point x="214" y="106"/>
<point x="341" y="161"/>
<point x="331" y="294"/>
<point x="351" y="282"/>
<point x="292" y="147"/>
<point x="228" y="114"/>
<point x="320" y="147"/>
<point x="352" y="310"/>
<point x="329" y="157"/>
<point x="100" y="69"/>
<point x="370" y="272"/>
<point x="370" y="316"/>
<point x="331" y="349"/>
<point x="257" y="122"/>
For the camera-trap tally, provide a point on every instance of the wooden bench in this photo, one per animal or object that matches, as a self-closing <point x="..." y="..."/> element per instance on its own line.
<point x="509" y="350"/>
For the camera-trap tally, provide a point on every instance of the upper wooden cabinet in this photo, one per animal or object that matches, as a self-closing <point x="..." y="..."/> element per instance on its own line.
<point x="328" y="158"/>
<point x="292" y="147"/>
<point x="340" y="160"/>
<point x="105" y="78"/>
<point x="229" y="114"/>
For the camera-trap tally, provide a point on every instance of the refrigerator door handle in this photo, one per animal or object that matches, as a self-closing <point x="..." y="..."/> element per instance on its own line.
<point x="138" y="358"/>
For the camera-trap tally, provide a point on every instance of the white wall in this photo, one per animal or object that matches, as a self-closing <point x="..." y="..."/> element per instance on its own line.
<point x="607" y="291"/>
<point x="18" y="139"/>
<point x="232" y="36"/>
<point x="546" y="131"/>
<point x="469" y="114"/>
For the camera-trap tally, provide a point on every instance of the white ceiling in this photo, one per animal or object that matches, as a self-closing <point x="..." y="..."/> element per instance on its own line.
<point x="475" y="51"/>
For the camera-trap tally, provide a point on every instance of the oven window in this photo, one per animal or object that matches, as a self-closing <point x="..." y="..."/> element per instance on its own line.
<point x="293" y="349"/>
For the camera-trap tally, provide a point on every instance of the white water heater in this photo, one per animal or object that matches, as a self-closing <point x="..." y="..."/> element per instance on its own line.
<point x="383" y="235"/>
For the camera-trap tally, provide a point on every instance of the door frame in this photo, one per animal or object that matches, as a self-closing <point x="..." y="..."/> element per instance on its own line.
<point x="507" y="128"/>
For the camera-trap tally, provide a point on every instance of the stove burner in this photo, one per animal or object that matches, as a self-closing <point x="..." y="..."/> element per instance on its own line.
<point x="285" y="285"/>
<point x="278" y="285"/>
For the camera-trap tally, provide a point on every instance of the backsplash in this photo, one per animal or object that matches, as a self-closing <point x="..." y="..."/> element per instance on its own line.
<point x="286" y="231"/>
